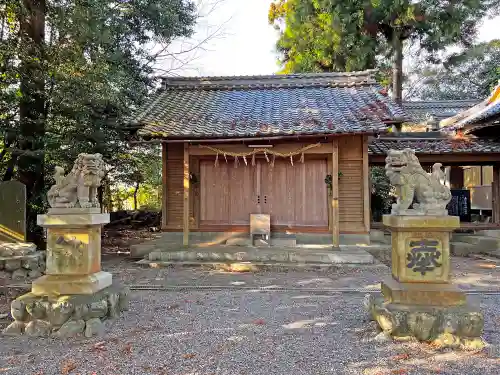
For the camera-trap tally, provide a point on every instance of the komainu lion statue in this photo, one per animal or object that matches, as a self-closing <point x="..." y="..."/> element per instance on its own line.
<point x="411" y="182"/>
<point x="79" y="187"/>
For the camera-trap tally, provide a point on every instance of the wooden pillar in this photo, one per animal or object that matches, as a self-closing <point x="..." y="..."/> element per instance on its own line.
<point x="164" y="171"/>
<point x="495" y="195"/>
<point x="335" y="193"/>
<point x="185" y="216"/>
<point x="366" y="186"/>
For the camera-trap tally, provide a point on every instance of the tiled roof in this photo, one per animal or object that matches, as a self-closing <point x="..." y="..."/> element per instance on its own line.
<point x="420" y="111"/>
<point x="381" y="145"/>
<point x="476" y="117"/>
<point x="297" y="104"/>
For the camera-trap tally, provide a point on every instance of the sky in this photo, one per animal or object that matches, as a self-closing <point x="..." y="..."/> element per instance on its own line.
<point x="244" y="42"/>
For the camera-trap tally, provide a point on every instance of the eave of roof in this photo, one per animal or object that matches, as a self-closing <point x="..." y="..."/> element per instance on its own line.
<point x="433" y="145"/>
<point x="486" y="113"/>
<point x="421" y="110"/>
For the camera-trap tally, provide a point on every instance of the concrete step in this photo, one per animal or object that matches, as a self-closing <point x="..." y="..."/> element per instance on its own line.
<point x="480" y="241"/>
<point x="265" y="255"/>
<point x="279" y="240"/>
<point x="463" y="249"/>
<point x="484" y="245"/>
<point x="489" y="233"/>
<point x="260" y="266"/>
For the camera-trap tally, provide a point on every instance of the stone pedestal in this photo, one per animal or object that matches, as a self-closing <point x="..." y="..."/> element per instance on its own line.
<point x="73" y="253"/>
<point x="419" y="300"/>
<point x="20" y="261"/>
<point x="61" y="302"/>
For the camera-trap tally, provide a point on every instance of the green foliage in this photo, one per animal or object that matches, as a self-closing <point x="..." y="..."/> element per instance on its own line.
<point x="381" y="193"/>
<point x="140" y="168"/>
<point x="469" y="74"/>
<point x="70" y="72"/>
<point x="337" y="35"/>
<point x="318" y="36"/>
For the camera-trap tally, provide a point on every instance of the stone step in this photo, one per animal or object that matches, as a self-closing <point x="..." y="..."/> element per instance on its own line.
<point x="351" y="256"/>
<point x="488" y="243"/>
<point x="258" y="266"/>
<point x="277" y="239"/>
<point x="489" y="233"/>
<point x="481" y="246"/>
<point x="463" y="249"/>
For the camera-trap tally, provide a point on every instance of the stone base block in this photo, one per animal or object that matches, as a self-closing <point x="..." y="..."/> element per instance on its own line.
<point x="71" y="284"/>
<point x="422" y="293"/>
<point x="451" y="327"/>
<point x="66" y="315"/>
<point x="26" y="264"/>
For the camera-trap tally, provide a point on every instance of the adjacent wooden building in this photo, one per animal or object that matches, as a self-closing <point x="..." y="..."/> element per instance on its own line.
<point x="292" y="146"/>
<point x="467" y="143"/>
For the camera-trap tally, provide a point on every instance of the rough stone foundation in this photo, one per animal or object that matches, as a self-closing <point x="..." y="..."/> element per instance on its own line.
<point x="21" y="261"/>
<point x="67" y="315"/>
<point x="446" y="327"/>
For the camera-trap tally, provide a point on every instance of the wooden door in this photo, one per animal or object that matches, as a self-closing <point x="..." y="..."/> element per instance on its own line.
<point x="227" y="194"/>
<point x="295" y="195"/>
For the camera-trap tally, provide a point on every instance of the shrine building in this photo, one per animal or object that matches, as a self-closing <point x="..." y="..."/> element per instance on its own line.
<point x="294" y="147"/>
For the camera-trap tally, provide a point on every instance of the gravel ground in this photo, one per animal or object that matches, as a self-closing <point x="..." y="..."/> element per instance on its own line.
<point x="246" y="332"/>
<point x="249" y="332"/>
<point x="243" y="333"/>
<point x="467" y="273"/>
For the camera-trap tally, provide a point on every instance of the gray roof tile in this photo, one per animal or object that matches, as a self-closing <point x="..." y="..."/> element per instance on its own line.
<point x="439" y="109"/>
<point x="298" y="104"/>
<point x="380" y="146"/>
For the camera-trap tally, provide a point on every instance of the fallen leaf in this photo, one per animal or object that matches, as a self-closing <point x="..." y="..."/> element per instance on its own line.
<point x="127" y="348"/>
<point x="259" y="322"/>
<point x="99" y="347"/>
<point x="401" y="357"/>
<point x="436" y="371"/>
<point x="171" y="307"/>
<point x="400" y="371"/>
<point x="189" y="356"/>
<point x="488" y="266"/>
<point x="67" y="367"/>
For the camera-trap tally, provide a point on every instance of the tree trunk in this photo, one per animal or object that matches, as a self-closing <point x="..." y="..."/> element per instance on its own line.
<point x="397" y="67"/>
<point x="100" y="197"/>
<point x="109" y="196"/>
<point x="135" y="195"/>
<point x="32" y="111"/>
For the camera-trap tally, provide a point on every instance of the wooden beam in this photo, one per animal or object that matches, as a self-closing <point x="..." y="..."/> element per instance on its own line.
<point x="366" y="185"/>
<point x="164" y="172"/>
<point x="323" y="148"/>
<point x="185" y="217"/>
<point x="495" y="194"/>
<point x="458" y="159"/>
<point x="335" y="193"/>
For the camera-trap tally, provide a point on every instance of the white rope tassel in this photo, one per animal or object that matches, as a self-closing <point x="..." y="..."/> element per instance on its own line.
<point x="267" y="158"/>
<point x="253" y="160"/>
<point x="216" y="164"/>
<point x="225" y="157"/>
<point x="245" y="160"/>
<point x="302" y="158"/>
<point x="291" y="160"/>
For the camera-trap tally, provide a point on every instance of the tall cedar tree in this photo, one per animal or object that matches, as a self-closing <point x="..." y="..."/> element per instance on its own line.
<point x="339" y="35"/>
<point x="69" y="71"/>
